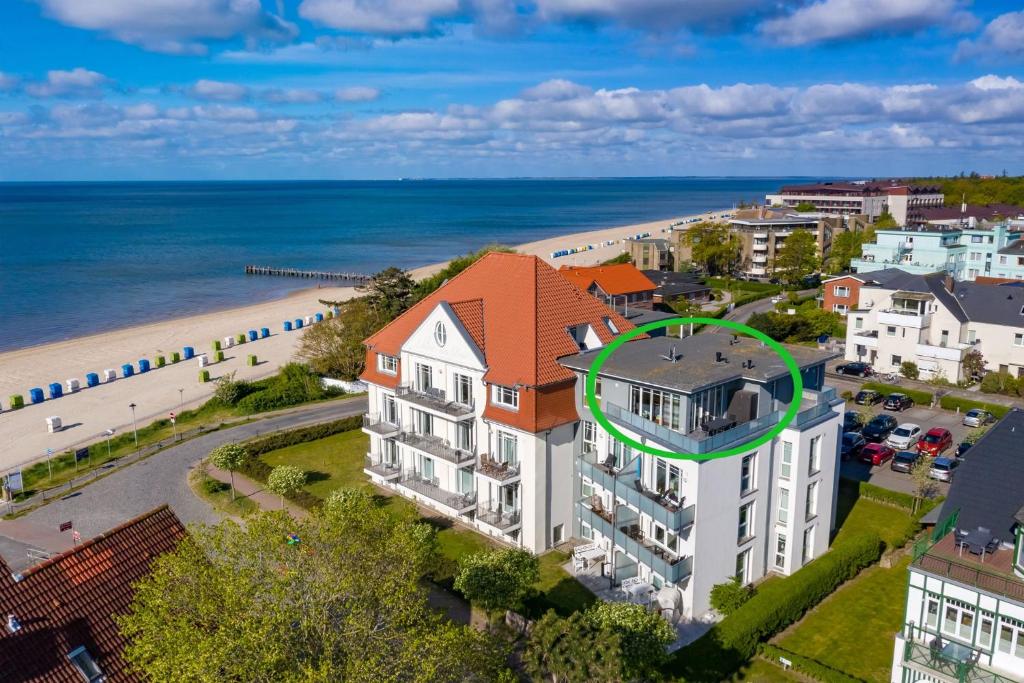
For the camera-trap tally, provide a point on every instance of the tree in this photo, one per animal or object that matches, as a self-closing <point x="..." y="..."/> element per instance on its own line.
<point x="713" y="246"/>
<point x="973" y="365"/>
<point x="805" y="207"/>
<point x="230" y="391"/>
<point x="728" y="597"/>
<point x="999" y="383"/>
<point x="285" y="480"/>
<point x="924" y="486"/>
<point x="390" y="292"/>
<point x="885" y="221"/>
<point x="643" y="634"/>
<point x="782" y="327"/>
<point x="497" y="579"/>
<point x="797" y="258"/>
<point x="336" y="596"/>
<point x="335" y="347"/>
<point x="846" y="247"/>
<point x="575" y="648"/>
<point x="909" y="369"/>
<point x="229" y="457"/>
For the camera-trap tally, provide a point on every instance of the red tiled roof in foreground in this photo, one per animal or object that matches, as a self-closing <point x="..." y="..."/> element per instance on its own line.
<point x="70" y="601"/>
<point x="620" y="278"/>
<point x="524" y="309"/>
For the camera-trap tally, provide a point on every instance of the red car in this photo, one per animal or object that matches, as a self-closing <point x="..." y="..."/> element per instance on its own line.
<point x="876" y="454"/>
<point x="937" y="440"/>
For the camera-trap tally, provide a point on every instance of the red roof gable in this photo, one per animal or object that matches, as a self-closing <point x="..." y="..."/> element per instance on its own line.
<point x="620" y="278"/>
<point x="70" y="601"/>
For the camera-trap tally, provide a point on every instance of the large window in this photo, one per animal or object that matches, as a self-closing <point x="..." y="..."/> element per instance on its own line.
<point x="424" y="377"/>
<point x="658" y="406"/>
<point x="506" y="397"/>
<point x="589" y="436"/>
<point x="507" y="448"/>
<point x="742" y="567"/>
<point x="808" y="549"/>
<point x="1011" y="637"/>
<point x="785" y="469"/>
<point x="388" y="364"/>
<point x="782" y="516"/>
<point x="389" y="409"/>
<point x="986" y="627"/>
<point x="746" y="524"/>
<point x="618" y="452"/>
<point x="780" y="550"/>
<point x="812" y="500"/>
<point x="667" y="478"/>
<point x="958" y="619"/>
<point x="841" y="291"/>
<point x="464" y="436"/>
<point x="423" y="422"/>
<point x="747" y="473"/>
<point x="463" y="389"/>
<point x="814" y="462"/>
<point x="931" y="616"/>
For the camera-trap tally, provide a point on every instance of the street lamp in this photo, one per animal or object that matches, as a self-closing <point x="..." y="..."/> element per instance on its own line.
<point x="134" y="427"/>
<point x="181" y="400"/>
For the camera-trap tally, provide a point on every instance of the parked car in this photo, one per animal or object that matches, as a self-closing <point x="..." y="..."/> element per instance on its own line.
<point x="937" y="440"/>
<point x="855" y="368"/>
<point x="851" y="445"/>
<point x="852" y="421"/>
<point x="976" y="417"/>
<point x="942" y="469"/>
<point x="868" y="397"/>
<point x="962" y="448"/>
<point x="879" y="428"/>
<point x="904" y="461"/>
<point x="777" y="298"/>
<point x="876" y="454"/>
<point x="905" y="436"/>
<point x="898" y="402"/>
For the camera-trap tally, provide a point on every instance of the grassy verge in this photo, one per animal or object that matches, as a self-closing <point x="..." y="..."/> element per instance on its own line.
<point x="856" y="514"/>
<point x="218" y="494"/>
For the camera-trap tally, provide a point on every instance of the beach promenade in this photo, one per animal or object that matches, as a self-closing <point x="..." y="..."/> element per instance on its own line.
<point x="89" y="412"/>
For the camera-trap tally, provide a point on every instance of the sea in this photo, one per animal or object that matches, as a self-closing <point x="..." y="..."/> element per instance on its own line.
<point x="82" y="258"/>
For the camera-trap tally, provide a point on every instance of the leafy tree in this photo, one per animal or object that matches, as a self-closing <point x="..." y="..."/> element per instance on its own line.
<point x="885" y="221"/>
<point x="973" y="364"/>
<point x="909" y="369"/>
<point x="845" y="247"/>
<point x="805" y="207"/>
<point x="575" y="648"/>
<point x="229" y="457"/>
<point x="230" y="391"/>
<point x="624" y="257"/>
<point x="336" y="596"/>
<point x="497" y="579"/>
<point x="924" y="486"/>
<point x="727" y="597"/>
<point x="712" y="245"/>
<point x="797" y="258"/>
<point x="285" y="480"/>
<point x="999" y="383"/>
<point x="782" y="327"/>
<point x="335" y="347"/>
<point x="643" y="634"/>
<point x="389" y="293"/>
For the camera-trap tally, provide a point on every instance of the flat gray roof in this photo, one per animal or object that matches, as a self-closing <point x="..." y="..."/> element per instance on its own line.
<point x="695" y="366"/>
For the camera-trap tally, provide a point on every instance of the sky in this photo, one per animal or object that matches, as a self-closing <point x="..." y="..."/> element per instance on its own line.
<point x="297" y="89"/>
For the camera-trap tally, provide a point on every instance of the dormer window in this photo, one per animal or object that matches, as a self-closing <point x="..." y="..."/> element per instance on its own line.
<point x="506" y="397"/>
<point x="86" y="665"/>
<point x="584" y="336"/>
<point x="388" y="364"/>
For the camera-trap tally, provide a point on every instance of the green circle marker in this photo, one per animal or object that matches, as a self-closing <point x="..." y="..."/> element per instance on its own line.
<point x="602" y="357"/>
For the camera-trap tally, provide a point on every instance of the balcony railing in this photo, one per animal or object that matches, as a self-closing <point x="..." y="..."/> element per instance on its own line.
<point x="962" y="572"/>
<point x="429" y="487"/>
<point x="672" y="567"/>
<point x="498" y="470"/>
<point x="434" y="399"/>
<point x="932" y="659"/>
<point x="375" y="464"/>
<point x="675" y="516"/>
<point x="500" y="520"/>
<point x="436" y="446"/>
<point x="372" y="422"/>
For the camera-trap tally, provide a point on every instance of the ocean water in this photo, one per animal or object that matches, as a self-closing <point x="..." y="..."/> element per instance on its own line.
<point x="80" y="258"/>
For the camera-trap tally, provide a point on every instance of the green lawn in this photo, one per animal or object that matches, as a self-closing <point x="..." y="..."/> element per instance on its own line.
<point x="855" y="515"/>
<point x="760" y="671"/>
<point x="331" y="463"/>
<point x="853" y="630"/>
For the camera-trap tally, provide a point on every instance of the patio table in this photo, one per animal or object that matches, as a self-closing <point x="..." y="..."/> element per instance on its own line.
<point x="957" y="652"/>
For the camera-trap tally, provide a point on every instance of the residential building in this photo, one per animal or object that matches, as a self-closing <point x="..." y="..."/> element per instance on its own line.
<point x="470" y="413"/>
<point x="619" y="284"/>
<point x="871" y="198"/>
<point x="1008" y="263"/>
<point x="60" y="615"/>
<point x="693" y="523"/>
<point x="841" y="293"/>
<point x="964" y="618"/>
<point x="671" y="286"/>
<point x="963" y="215"/>
<point x="934" y="321"/>
<point x="652" y="254"/>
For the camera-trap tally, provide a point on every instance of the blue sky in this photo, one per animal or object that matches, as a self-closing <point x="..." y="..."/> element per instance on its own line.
<point x="153" y="89"/>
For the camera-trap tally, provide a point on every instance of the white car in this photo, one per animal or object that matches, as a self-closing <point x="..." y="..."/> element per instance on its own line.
<point x="905" y="436"/>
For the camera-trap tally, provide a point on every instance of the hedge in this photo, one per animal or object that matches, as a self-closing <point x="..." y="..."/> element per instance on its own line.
<point x="881" y="495"/>
<point x="920" y="397"/>
<point x="964" y="404"/>
<point x="777" y="604"/>
<point x="808" y="666"/>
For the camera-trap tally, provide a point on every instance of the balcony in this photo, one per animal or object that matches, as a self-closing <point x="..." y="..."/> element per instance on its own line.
<point x="904" y="318"/>
<point x="672" y="567"/>
<point x="953" y="352"/>
<point x="676" y="517"/>
<point x="434" y="400"/>
<point x="375" y="466"/>
<point x="436" y="446"/>
<point x="866" y="338"/>
<point x="460" y="502"/>
<point x="953" y="662"/>
<point x="373" y="423"/>
<point x="759" y="258"/>
<point x="495" y="469"/>
<point x="503" y="521"/>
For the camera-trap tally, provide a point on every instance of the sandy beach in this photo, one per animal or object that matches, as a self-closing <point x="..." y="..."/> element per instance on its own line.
<point x="86" y="414"/>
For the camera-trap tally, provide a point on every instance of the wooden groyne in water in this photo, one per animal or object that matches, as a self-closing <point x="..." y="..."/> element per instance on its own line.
<point x="309" y="274"/>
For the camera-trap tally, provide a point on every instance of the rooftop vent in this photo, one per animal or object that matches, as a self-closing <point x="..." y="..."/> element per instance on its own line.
<point x="671" y="356"/>
<point x="719" y="358"/>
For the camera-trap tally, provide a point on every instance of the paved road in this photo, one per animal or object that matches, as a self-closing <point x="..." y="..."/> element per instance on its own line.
<point x="741" y="314"/>
<point x="138" y="488"/>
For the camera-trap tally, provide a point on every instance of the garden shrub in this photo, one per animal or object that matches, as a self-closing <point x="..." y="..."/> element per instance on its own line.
<point x="212" y="486"/>
<point x="728" y="597"/>
<point x="964" y="404"/>
<point x="808" y="666"/>
<point x="923" y="398"/>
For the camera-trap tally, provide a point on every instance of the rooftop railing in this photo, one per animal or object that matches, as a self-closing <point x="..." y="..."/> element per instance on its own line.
<point x="963" y="572"/>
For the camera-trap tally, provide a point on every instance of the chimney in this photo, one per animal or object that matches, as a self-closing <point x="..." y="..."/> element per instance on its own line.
<point x="949" y="283"/>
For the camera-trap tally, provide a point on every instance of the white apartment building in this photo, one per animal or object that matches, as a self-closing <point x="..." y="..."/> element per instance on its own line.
<point x="964" y="617"/>
<point x="871" y="198"/>
<point x="934" y="321"/>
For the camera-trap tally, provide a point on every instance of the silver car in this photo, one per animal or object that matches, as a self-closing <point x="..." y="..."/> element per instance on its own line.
<point x="904" y="437"/>
<point x="976" y="417"/>
<point x="942" y="469"/>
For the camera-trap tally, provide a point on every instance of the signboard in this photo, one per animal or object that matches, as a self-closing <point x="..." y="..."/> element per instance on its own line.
<point x="65" y="526"/>
<point x="81" y="454"/>
<point x="172" y="418"/>
<point x="14" y="482"/>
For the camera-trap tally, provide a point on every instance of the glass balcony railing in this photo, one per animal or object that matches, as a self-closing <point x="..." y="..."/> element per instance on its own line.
<point x="676" y="516"/>
<point x="672" y="567"/>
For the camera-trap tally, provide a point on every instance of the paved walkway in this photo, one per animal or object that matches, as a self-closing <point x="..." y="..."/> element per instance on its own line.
<point x="142" y="486"/>
<point x="256" y="492"/>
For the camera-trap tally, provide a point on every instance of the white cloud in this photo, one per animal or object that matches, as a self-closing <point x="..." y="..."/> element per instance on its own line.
<point x="828" y="20"/>
<point x="218" y="91"/>
<point x="655" y="15"/>
<point x="1003" y="37"/>
<point x="77" y="82"/>
<point x="172" y="26"/>
<point x="8" y="81"/>
<point x="383" y="17"/>
<point x="292" y="96"/>
<point x="555" y="89"/>
<point x="357" y="93"/>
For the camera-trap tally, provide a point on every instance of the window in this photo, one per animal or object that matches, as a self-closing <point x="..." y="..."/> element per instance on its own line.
<point x="667" y="478"/>
<point x="465" y="480"/>
<point x="747" y="473"/>
<point x="932" y="614"/>
<point x="858" y="323"/>
<point x="423" y="422"/>
<point x="972" y="336"/>
<point x="1018" y="339"/>
<point x="463" y="390"/>
<point x="746" y="522"/>
<point x="1002" y="260"/>
<point x="787" y="460"/>
<point x="986" y="625"/>
<point x="586" y="489"/>
<point x="85" y="664"/>
<point x="660" y="407"/>
<point x="389" y="409"/>
<point x="742" y="563"/>
<point x="506" y="397"/>
<point x="589" y="437"/>
<point x="890" y="331"/>
<point x="811" y="509"/>
<point x="958" y="619"/>
<point x="587" y="532"/>
<point x="424" y="377"/>
<point x="782" y="516"/>
<point x="611" y="326"/>
<point x="814" y="463"/>
<point x="841" y="291"/>
<point x="464" y="436"/>
<point x="440" y="334"/>
<point x="808" y="550"/>
<point x="618" y="452"/>
<point x="597" y="387"/>
<point x="1011" y="637"/>
<point x="840" y="308"/>
<point x="388" y="364"/>
<point x="897" y="360"/>
<point x="780" y="550"/>
<point x="558" y="534"/>
<point x="507" y="451"/>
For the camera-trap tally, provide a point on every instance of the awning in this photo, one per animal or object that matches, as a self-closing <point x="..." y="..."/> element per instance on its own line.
<point x="592" y="554"/>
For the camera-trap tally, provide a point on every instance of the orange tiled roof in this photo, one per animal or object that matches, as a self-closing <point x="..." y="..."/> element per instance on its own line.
<point x="621" y="278"/>
<point x="524" y="309"/>
<point x="71" y="599"/>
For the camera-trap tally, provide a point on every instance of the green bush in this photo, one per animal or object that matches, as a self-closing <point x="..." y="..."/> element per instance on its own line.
<point x="909" y="369"/>
<point x="17" y="401"/>
<point x="964" y="404"/>
<point x="805" y="665"/>
<point x="294" y="385"/>
<point x="728" y="597"/>
<point x="777" y="604"/>
<point x="211" y="486"/>
<point x="881" y="495"/>
<point x="847" y="395"/>
<point x="922" y="398"/>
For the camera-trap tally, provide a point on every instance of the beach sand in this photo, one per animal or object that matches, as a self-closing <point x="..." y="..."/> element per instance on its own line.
<point x="89" y="412"/>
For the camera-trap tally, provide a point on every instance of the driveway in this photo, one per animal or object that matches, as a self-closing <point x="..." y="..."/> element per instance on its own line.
<point x="149" y="483"/>
<point x="741" y="314"/>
